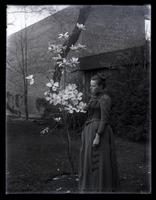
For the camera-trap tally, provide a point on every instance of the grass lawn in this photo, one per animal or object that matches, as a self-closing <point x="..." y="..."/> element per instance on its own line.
<point x="34" y="161"/>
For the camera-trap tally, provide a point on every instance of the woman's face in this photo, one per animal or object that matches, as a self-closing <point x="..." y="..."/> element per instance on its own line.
<point x="93" y="86"/>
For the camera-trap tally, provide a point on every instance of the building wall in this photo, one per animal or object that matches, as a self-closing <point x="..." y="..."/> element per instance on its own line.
<point x="110" y="28"/>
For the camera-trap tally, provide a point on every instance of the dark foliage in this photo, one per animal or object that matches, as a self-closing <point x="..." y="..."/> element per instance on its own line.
<point x="10" y="107"/>
<point x="49" y="109"/>
<point x="76" y="121"/>
<point x="130" y="110"/>
<point x="49" y="113"/>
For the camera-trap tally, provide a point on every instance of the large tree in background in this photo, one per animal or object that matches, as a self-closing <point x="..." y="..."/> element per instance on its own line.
<point x="17" y="60"/>
<point x="19" y="53"/>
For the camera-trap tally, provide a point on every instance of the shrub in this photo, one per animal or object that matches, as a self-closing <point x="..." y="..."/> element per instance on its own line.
<point x="130" y="110"/>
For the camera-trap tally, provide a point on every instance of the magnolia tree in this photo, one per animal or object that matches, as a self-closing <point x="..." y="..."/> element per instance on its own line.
<point x="67" y="98"/>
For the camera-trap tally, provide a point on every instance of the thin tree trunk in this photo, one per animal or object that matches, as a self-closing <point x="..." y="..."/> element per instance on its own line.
<point x="69" y="151"/>
<point x="26" y="73"/>
<point x="25" y="96"/>
<point x="26" y="102"/>
<point x="24" y="51"/>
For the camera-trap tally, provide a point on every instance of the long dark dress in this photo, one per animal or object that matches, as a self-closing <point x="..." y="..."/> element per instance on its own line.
<point x="98" y="165"/>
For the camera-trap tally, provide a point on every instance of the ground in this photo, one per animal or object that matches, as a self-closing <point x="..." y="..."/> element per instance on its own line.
<point x="38" y="163"/>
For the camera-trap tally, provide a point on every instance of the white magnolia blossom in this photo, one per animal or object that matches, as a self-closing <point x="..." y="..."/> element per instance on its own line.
<point x="46" y="130"/>
<point x="70" y="98"/>
<point x="71" y="87"/>
<point x="77" y="47"/>
<point x="74" y="47"/>
<point x="56" y="84"/>
<point x="45" y="93"/>
<point x="63" y="36"/>
<point x="81" y="26"/>
<point x="81" y="46"/>
<point x="63" y="62"/>
<point x="57" y="49"/>
<point x="76" y="92"/>
<point x="54" y="88"/>
<point x="79" y="96"/>
<point x="50" y="84"/>
<point x="48" y="98"/>
<point x="30" y="78"/>
<point x="49" y="48"/>
<point x="81" y="107"/>
<point x="57" y="119"/>
<point x="31" y="82"/>
<point x="58" y="57"/>
<point x="74" y="61"/>
<point x="53" y="85"/>
<point x="70" y="108"/>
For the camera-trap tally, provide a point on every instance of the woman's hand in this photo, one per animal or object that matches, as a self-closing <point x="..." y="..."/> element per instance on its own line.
<point x="96" y="140"/>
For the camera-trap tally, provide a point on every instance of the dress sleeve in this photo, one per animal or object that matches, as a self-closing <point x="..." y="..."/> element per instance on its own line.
<point x="105" y="105"/>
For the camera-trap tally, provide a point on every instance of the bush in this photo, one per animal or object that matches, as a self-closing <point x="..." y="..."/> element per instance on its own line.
<point x="48" y="109"/>
<point x="130" y="109"/>
<point x="49" y="112"/>
<point x="41" y="103"/>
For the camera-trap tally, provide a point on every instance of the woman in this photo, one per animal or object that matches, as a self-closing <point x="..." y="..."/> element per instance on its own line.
<point x="98" y="166"/>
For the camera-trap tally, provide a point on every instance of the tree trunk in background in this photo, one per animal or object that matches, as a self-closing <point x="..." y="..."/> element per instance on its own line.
<point x="83" y="14"/>
<point x="26" y="102"/>
<point x="25" y="93"/>
<point x="26" y="72"/>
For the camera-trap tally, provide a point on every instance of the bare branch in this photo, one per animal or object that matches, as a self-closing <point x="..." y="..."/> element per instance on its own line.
<point x="33" y="9"/>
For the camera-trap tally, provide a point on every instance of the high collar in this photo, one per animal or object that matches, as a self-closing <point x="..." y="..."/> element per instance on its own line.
<point x="99" y="93"/>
